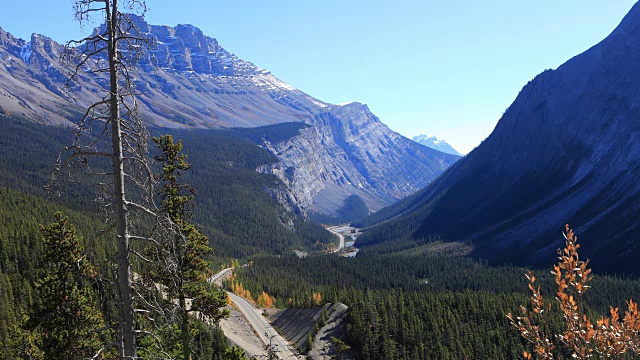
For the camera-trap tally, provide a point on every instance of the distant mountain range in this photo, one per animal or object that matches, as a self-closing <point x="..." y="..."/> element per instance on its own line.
<point x="189" y="81"/>
<point x="566" y="151"/>
<point x="435" y="143"/>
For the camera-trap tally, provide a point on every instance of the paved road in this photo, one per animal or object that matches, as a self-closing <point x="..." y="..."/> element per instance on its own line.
<point x="258" y="322"/>
<point x="219" y="275"/>
<point x="333" y="229"/>
<point x="261" y="326"/>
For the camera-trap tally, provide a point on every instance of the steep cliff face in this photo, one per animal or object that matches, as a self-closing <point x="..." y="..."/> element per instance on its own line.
<point x="187" y="80"/>
<point x="566" y="151"/>
<point x="31" y="83"/>
<point x="349" y="151"/>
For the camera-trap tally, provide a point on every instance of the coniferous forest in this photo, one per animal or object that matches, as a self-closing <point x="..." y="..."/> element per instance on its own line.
<point x="240" y="215"/>
<point x="403" y="304"/>
<point x="422" y="306"/>
<point x="118" y="225"/>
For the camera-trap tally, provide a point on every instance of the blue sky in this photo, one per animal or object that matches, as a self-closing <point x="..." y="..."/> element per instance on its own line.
<point x="447" y="68"/>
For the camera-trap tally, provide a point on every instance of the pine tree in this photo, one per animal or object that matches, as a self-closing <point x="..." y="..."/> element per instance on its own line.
<point x="180" y="266"/>
<point x="234" y="353"/>
<point x="68" y="318"/>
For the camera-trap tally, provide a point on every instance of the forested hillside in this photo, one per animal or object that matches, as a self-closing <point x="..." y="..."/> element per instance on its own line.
<point x="21" y="251"/>
<point x="21" y="265"/>
<point x="428" y="306"/>
<point x="236" y="205"/>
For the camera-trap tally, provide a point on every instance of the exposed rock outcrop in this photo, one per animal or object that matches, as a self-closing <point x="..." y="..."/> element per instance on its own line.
<point x="349" y="151"/>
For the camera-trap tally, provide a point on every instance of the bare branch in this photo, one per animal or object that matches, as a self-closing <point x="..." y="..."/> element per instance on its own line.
<point x="81" y="153"/>
<point x="140" y="207"/>
<point x="140" y="256"/>
<point x="108" y="327"/>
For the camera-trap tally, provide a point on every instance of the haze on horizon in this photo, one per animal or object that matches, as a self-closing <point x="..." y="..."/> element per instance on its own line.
<point x="446" y="69"/>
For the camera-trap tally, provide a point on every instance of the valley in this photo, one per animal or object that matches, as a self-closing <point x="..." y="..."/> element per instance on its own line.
<point x="347" y="235"/>
<point x="261" y="222"/>
<point x="512" y="195"/>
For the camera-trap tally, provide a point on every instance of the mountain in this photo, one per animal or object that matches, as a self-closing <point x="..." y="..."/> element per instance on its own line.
<point x="566" y="151"/>
<point x="435" y="143"/>
<point x="187" y="80"/>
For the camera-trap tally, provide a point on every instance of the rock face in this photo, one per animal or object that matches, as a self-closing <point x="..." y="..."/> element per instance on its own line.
<point x="566" y="151"/>
<point x="435" y="143"/>
<point x="187" y="80"/>
<point x="349" y="151"/>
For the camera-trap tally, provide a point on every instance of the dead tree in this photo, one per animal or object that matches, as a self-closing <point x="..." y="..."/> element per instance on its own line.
<point x="111" y="130"/>
<point x="272" y="351"/>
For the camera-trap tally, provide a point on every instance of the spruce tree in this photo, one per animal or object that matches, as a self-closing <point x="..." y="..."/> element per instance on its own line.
<point x="180" y="265"/>
<point x="67" y="317"/>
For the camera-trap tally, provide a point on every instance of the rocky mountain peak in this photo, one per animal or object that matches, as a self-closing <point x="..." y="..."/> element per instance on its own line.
<point x="8" y="41"/>
<point x="354" y="113"/>
<point x="435" y="143"/>
<point x="186" y="48"/>
<point x="41" y="48"/>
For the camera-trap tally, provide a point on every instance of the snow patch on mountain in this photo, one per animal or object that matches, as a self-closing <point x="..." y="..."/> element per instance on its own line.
<point x="317" y="102"/>
<point x="435" y="143"/>
<point x="270" y="82"/>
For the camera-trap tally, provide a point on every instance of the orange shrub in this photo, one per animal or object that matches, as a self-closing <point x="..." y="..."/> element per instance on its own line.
<point x="609" y="338"/>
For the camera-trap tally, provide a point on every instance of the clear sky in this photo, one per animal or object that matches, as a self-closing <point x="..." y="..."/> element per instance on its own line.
<point x="447" y="68"/>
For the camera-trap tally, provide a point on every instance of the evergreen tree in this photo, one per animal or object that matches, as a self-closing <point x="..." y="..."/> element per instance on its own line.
<point x="67" y="318"/>
<point x="234" y="353"/>
<point x="180" y="265"/>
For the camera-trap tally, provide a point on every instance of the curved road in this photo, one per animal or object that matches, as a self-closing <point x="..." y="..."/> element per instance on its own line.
<point x="219" y="275"/>
<point x="258" y="322"/>
<point x="340" y="236"/>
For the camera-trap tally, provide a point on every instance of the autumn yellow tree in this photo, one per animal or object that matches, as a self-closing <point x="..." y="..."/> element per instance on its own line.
<point x="238" y="289"/>
<point x="609" y="337"/>
<point x="265" y="301"/>
<point x="317" y="298"/>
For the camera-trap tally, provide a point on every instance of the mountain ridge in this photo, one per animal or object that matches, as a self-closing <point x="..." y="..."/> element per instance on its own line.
<point x="189" y="81"/>
<point x="565" y="151"/>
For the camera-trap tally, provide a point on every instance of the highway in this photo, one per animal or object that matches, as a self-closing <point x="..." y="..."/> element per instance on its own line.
<point x="333" y="229"/>
<point x="258" y="322"/>
<point x="217" y="276"/>
<point x="261" y="326"/>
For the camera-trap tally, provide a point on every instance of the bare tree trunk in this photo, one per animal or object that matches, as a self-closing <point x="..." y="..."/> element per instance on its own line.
<point x="186" y="337"/>
<point x="125" y="308"/>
